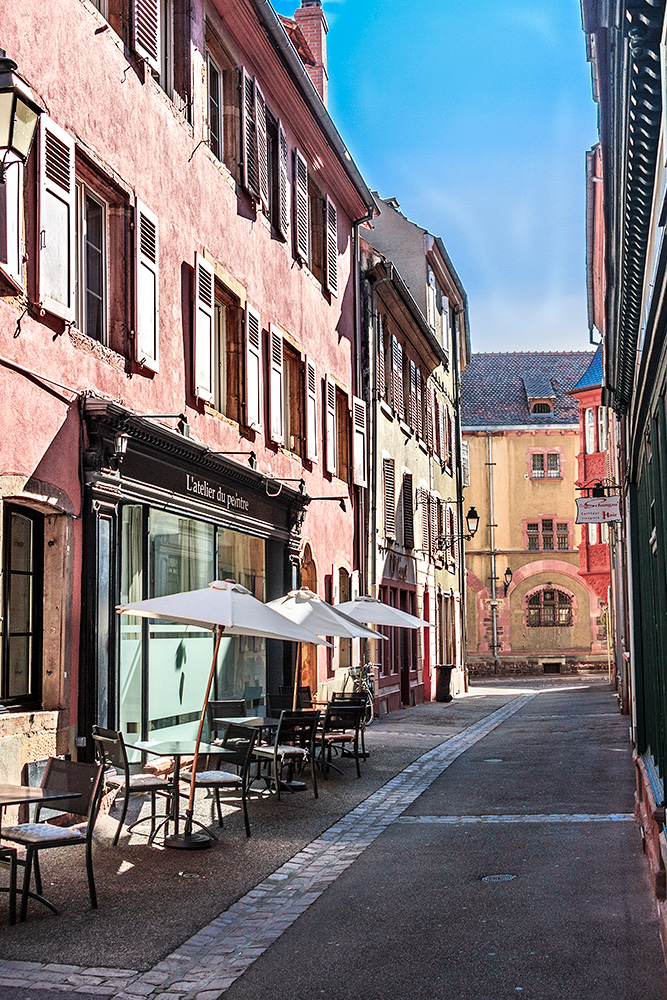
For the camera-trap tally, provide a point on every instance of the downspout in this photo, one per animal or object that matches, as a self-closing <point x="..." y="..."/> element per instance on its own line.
<point x="361" y="558"/>
<point x="459" y="492"/>
<point x="375" y="402"/>
<point x="492" y="544"/>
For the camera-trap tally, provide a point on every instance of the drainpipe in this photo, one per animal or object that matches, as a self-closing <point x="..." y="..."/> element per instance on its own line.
<point x="459" y="492"/>
<point x="361" y="494"/>
<point x="492" y="543"/>
<point x="375" y="402"/>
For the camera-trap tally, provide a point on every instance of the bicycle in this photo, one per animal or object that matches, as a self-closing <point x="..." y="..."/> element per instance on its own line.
<point x="363" y="682"/>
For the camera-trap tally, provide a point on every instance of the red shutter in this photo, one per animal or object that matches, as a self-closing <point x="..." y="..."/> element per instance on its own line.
<point x="262" y="150"/>
<point x="57" y="215"/>
<point x="276" y="386"/>
<point x="202" y="364"/>
<point x="359" y="441"/>
<point x="330" y="424"/>
<point x="301" y="207"/>
<point x="283" y="184"/>
<point x="253" y="368"/>
<point x="249" y="134"/>
<point x="311" y="410"/>
<point x="146" y="32"/>
<point x="146" y="344"/>
<point x="331" y="247"/>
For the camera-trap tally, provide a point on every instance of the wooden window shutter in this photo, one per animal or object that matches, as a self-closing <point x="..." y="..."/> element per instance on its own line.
<point x="450" y="438"/>
<point x="11" y="223"/>
<point x="413" y="395"/>
<point x="423" y="507"/>
<point x="249" y="133"/>
<point x="408" y="512"/>
<point x="465" y="463"/>
<point x="203" y="333"/>
<point x="262" y="149"/>
<point x="382" y="384"/>
<point x="283" y="184"/>
<point x="253" y="368"/>
<point x="301" y="207"/>
<point x="276" y="386"/>
<point x="397" y="376"/>
<point x="330" y="425"/>
<point x="429" y="417"/>
<point x="311" y="410"/>
<point x="359" y="442"/>
<point x="432" y="522"/>
<point x="389" y="491"/>
<point x="442" y="428"/>
<point x="57" y="219"/>
<point x="331" y="254"/>
<point x="146" y="340"/>
<point x="420" y="404"/>
<point x="146" y="32"/>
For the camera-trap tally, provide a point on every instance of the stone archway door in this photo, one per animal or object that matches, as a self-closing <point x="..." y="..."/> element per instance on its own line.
<point x="309" y="651"/>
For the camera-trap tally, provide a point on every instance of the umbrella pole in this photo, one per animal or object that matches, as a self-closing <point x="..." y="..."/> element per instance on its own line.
<point x="189" y="840"/>
<point x="297" y="672"/>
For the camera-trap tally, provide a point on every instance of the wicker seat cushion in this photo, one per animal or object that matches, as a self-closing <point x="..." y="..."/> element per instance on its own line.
<point x="138" y="782"/>
<point x="42" y="833"/>
<point x="213" y="778"/>
<point x="283" y="751"/>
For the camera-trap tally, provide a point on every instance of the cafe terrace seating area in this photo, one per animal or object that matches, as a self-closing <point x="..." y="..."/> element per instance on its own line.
<point x="243" y="760"/>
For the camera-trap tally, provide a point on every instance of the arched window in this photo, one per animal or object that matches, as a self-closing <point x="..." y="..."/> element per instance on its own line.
<point x="589" y="429"/>
<point x="549" y="608"/>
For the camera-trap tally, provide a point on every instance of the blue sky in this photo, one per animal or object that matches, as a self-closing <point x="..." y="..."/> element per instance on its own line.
<point x="476" y="115"/>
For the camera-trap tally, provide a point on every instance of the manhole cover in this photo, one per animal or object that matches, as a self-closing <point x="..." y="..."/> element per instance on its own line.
<point x="497" y="878"/>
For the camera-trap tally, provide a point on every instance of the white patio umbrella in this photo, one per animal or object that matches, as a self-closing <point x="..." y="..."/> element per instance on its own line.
<point x="370" y="609"/>
<point x="228" y="609"/>
<point x="311" y="612"/>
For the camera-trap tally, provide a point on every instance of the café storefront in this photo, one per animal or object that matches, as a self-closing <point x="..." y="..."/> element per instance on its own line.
<point x="164" y="515"/>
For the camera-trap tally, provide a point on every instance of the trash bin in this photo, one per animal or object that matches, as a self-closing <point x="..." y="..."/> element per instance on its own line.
<point x="443" y="682"/>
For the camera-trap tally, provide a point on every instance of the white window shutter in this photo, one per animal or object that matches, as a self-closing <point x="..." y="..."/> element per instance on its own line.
<point x="249" y="133"/>
<point x="203" y="332"/>
<point x="146" y="340"/>
<point x="330" y="425"/>
<point x="442" y="429"/>
<point x="331" y="247"/>
<point x="420" y="404"/>
<point x="413" y="395"/>
<point x="429" y="416"/>
<point x="423" y="508"/>
<point x="253" y="368"/>
<point x="389" y="496"/>
<point x="283" y="183"/>
<point x="301" y="207"/>
<point x="57" y="215"/>
<point x="359" y="441"/>
<point x="397" y="377"/>
<point x="276" y="386"/>
<point x="465" y="463"/>
<point x="381" y="378"/>
<point x="146" y="32"/>
<point x="262" y="150"/>
<point x="311" y="410"/>
<point x="11" y="223"/>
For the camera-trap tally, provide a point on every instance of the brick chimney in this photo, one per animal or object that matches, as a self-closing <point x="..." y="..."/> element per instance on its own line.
<point x="313" y="24"/>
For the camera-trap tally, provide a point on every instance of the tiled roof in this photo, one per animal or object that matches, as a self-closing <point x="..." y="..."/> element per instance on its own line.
<point x="493" y="387"/>
<point x="592" y="377"/>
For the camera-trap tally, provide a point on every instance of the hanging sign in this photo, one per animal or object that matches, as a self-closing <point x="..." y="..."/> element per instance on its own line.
<point x="598" y="510"/>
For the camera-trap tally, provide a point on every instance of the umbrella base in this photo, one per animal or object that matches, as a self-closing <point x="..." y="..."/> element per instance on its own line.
<point x="293" y="786"/>
<point x="188" y="841"/>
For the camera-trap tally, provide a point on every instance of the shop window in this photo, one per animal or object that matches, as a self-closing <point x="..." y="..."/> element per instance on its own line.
<point x="549" y="608"/>
<point x="23" y="585"/>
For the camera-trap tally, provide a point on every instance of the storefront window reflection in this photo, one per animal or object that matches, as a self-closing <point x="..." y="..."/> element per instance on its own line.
<point x="242" y="663"/>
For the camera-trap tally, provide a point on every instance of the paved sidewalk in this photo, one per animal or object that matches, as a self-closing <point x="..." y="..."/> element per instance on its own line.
<point x="385" y="897"/>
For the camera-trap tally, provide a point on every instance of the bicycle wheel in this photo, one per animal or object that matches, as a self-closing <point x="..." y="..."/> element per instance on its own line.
<point x="369" y="709"/>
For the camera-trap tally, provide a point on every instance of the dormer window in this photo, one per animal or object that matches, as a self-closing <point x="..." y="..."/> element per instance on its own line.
<point x="539" y="394"/>
<point x="542" y="406"/>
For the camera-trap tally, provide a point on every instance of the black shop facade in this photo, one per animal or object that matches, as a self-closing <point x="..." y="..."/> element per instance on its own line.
<point x="163" y="515"/>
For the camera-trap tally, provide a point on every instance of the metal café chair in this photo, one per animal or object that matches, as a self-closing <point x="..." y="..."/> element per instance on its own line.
<point x="112" y="753"/>
<point x="232" y="708"/>
<point x="303" y="695"/>
<point x="354" y="698"/>
<point x="340" y="730"/>
<point x="293" y="747"/>
<point x="8" y="859"/>
<point x="84" y="782"/>
<point x="239" y="742"/>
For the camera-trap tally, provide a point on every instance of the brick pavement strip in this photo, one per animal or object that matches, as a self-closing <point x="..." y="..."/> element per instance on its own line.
<point x="203" y="967"/>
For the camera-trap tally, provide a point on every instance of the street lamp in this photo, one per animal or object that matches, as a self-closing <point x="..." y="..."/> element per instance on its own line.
<point x="448" y="540"/>
<point x="18" y="114"/>
<point x="508" y="579"/>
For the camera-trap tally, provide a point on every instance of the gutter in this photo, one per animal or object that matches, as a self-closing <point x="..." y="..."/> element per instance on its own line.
<point x="292" y="60"/>
<point x="534" y="428"/>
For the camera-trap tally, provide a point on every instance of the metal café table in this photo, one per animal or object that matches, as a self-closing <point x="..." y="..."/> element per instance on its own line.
<point x="175" y="749"/>
<point x="17" y="795"/>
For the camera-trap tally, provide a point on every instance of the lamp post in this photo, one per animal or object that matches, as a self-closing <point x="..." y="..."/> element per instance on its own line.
<point x="508" y="579"/>
<point x="19" y="113"/>
<point x="448" y="540"/>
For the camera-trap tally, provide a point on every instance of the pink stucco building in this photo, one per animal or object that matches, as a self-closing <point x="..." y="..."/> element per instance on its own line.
<point x="178" y="356"/>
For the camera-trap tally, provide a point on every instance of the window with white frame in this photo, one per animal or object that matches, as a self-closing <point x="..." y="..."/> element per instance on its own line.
<point x="11" y="224"/>
<point x="602" y="428"/>
<point x="216" y="138"/>
<point x="589" y="430"/>
<point x="91" y="264"/>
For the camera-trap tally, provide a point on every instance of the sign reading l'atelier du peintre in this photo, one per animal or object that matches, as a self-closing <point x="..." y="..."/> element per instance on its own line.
<point x="598" y="510"/>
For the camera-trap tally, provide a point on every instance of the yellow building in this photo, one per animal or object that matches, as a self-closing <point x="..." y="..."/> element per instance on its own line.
<point x="528" y="608"/>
